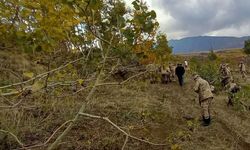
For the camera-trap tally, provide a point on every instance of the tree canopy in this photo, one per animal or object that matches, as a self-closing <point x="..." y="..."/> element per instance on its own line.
<point x="81" y="25"/>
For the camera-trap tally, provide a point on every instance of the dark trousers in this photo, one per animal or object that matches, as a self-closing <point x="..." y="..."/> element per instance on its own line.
<point x="180" y="79"/>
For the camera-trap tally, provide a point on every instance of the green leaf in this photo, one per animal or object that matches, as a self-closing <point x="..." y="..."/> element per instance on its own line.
<point x="136" y="6"/>
<point x="153" y="14"/>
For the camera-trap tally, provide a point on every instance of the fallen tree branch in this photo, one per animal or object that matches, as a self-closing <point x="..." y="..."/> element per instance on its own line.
<point x="66" y="131"/>
<point x="112" y="83"/>
<point x="42" y="75"/>
<point x="121" y="130"/>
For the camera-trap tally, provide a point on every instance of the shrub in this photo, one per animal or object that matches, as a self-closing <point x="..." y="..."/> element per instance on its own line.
<point x="208" y="70"/>
<point x="212" y="56"/>
<point x="247" y="47"/>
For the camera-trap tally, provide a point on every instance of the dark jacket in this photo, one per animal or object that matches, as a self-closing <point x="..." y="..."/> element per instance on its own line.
<point x="179" y="71"/>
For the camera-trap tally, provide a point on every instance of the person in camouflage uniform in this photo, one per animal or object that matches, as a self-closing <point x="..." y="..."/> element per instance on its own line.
<point x="242" y="68"/>
<point x="172" y="70"/>
<point x="153" y="72"/>
<point x="204" y="91"/>
<point x="232" y="89"/>
<point x="225" y="74"/>
<point x="165" y="75"/>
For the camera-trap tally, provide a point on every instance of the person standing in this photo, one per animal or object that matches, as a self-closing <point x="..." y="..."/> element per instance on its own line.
<point x="172" y="70"/>
<point x="152" y="70"/>
<point x="186" y="64"/>
<point x="204" y="91"/>
<point x="242" y="68"/>
<point x="165" y="75"/>
<point x="180" y="71"/>
<point x="225" y="75"/>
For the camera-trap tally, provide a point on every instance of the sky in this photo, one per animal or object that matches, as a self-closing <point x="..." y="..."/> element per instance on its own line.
<point x="185" y="18"/>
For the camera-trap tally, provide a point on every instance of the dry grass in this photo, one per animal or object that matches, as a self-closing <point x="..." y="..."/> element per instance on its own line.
<point x="150" y="111"/>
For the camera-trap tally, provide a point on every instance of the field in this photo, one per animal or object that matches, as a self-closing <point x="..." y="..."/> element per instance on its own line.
<point x="153" y="116"/>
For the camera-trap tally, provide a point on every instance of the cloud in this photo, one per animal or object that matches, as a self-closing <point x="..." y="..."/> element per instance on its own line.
<point x="182" y="18"/>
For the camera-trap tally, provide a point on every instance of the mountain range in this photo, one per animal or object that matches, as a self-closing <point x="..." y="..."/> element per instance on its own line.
<point x="206" y="43"/>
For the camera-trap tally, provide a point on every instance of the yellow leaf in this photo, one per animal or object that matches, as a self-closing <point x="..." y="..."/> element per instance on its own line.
<point x="175" y="147"/>
<point x="37" y="86"/>
<point x="28" y="74"/>
<point x="80" y="81"/>
<point x="190" y="123"/>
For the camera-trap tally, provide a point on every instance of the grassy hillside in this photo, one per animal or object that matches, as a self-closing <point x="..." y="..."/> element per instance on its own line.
<point x="162" y="114"/>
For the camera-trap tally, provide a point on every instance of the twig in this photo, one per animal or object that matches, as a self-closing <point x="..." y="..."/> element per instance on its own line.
<point x="14" y="136"/>
<point x="125" y="142"/>
<point x="49" y="139"/>
<point x="14" y="105"/>
<point x="113" y="83"/>
<point x="7" y="100"/>
<point x="121" y="130"/>
<point x="125" y="81"/>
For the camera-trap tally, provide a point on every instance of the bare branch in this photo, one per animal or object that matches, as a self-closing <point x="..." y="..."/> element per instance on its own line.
<point x="49" y="139"/>
<point x="121" y="130"/>
<point x="42" y="75"/>
<point x="65" y="132"/>
<point x="14" y="105"/>
<point x="7" y="100"/>
<point x="125" y="142"/>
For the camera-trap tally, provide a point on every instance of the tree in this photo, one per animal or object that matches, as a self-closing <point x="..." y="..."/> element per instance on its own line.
<point x="86" y="39"/>
<point x="212" y="55"/>
<point x="247" y="47"/>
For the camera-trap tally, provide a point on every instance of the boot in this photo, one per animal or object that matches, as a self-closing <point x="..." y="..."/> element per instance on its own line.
<point x="206" y="122"/>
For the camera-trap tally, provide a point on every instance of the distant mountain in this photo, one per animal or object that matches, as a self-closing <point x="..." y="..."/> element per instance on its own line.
<point x="206" y="43"/>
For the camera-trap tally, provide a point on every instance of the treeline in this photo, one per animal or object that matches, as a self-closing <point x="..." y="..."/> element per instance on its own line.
<point x="85" y="26"/>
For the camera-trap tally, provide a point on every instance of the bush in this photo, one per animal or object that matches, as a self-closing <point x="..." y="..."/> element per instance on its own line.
<point x="208" y="70"/>
<point x="247" y="47"/>
<point x="241" y="100"/>
<point x="212" y="56"/>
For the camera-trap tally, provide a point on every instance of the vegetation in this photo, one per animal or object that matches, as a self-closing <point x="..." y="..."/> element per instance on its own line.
<point x="212" y="56"/>
<point x="208" y="70"/>
<point x="59" y="88"/>
<point x="247" y="47"/>
<point x="78" y="46"/>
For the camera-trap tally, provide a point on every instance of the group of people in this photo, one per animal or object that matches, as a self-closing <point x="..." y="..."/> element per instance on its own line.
<point x="168" y="73"/>
<point x="205" y="90"/>
<point x="228" y="81"/>
<point x="202" y="87"/>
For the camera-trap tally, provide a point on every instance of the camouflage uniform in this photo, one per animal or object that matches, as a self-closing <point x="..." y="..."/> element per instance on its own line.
<point x="165" y="75"/>
<point x="152" y="70"/>
<point x="243" y="70"/>
<point x="225" y="75"/>
<point x="172" y="70"/>
<point x="202" y="87"/>
<point x="232" y="89"/>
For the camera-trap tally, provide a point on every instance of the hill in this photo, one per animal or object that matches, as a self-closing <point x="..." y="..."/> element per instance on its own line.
<point x="206" y="43"/>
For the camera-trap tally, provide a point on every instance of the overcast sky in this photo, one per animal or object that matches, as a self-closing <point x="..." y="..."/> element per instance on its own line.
<point x="184" y="18"/>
